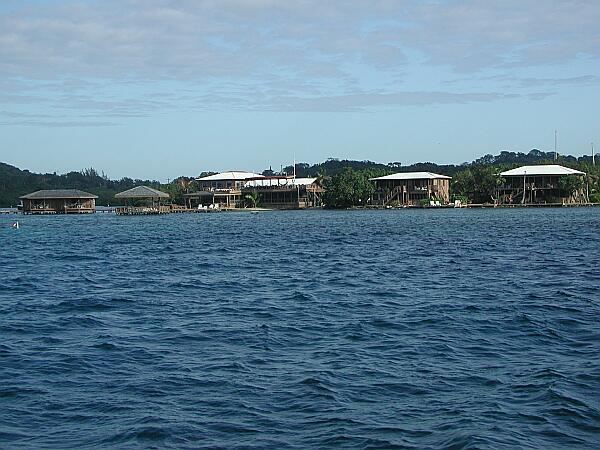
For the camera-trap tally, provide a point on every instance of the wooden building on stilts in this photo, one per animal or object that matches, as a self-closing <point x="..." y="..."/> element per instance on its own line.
<point x="411" y="189"/>
<point x="143" y="200"/>
<point x="543" y="184"/>
<point x="284" y="192"/>
<point x="59" y="201"/>
<point x="221" y="190"/>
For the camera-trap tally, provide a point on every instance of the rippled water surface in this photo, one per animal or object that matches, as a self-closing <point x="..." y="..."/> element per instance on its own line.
<point x="316" y="329"/>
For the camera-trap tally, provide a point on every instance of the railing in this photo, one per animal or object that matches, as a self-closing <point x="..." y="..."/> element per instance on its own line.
<point x="79" y="209"/>
<point x="142" y="210"/>
<point x="219" y="190"/>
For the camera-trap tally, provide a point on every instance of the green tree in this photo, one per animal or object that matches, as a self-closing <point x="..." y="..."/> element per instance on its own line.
<point x="351" y="188"/>
<point x="570" y="184"/>
<point x="478" y="183"/>
<point x="462" y="185"/>
<point x="486" y="182"/>
<point x="252" y="199"/>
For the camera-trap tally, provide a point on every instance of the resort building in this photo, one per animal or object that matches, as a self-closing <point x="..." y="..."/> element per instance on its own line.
<point x="222" y="189"/>
<point x="411" y="188"/>
<point x="542" y="184"/>
<point x="280" y="192"/>
<point x="59" y="201"/>
<point x="143" y="200"/>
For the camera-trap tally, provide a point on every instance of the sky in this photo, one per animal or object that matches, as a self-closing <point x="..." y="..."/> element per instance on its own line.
<point x="163" y="88"/>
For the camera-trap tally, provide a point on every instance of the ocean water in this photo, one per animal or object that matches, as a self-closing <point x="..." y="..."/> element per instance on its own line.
<point x="317" y="329"/>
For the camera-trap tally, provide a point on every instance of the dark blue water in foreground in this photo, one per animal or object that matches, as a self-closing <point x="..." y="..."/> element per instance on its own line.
<point x="389" y="329"/>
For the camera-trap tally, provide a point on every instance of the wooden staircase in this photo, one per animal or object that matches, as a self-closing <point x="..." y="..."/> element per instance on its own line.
<point x="392" y="195"/>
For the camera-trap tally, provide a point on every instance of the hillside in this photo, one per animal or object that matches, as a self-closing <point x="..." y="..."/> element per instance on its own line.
<point x="334" y="166"/>
<point x="15" y="182"/>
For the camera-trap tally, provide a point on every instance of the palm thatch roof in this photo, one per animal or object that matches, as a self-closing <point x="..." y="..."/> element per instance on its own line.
<point x="142" y="192"/>
<point x="48" y="194"/>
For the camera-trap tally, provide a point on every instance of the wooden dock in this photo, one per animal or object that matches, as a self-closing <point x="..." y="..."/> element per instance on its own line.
<point x="142" y="210"/>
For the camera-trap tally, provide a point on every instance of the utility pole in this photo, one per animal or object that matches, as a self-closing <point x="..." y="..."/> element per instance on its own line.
<point x="555" y="142"/>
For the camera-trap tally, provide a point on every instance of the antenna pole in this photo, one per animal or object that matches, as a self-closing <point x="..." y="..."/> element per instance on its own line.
<point x="297" y="187"/>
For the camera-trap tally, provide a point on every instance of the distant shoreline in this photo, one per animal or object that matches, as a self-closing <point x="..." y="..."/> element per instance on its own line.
<point x="111" y="210"/>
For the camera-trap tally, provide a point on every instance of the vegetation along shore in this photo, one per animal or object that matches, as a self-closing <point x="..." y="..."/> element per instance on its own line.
<point x="342" y="184"/>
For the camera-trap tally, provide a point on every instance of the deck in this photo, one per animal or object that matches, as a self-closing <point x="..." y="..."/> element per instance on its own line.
<point x="59" y="211"/>
<point x="142" y="210"/>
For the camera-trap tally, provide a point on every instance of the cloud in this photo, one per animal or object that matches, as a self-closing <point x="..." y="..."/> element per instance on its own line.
<point x="472" y="35"/>
<point x="57" y="124"/>
<point x="130" y="58"/>
<point x="583" y="80"/>
<point x="366" y="101"/>
<point x="514" y="82"/>
<point x="159" y="39"/>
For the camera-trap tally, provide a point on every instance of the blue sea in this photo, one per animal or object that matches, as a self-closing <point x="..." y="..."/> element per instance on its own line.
<point x="436" y="329"/>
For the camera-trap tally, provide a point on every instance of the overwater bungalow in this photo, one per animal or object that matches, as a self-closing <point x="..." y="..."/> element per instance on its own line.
<point x="143" y="200"/>
<point x="542" y="184"/>
<point x="411" y="188"/>
<point x="222" y="189"/>
<point x="281" y="192"/>
<point x="59" y="201"/>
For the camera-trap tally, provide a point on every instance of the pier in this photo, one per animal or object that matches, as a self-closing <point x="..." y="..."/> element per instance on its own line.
<point x="142" y="210"/>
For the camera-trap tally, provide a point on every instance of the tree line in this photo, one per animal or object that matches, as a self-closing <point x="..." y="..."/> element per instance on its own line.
<point x="347" y="182"/>
<point x="15" y="183"/>
<point x="476" y="182"/>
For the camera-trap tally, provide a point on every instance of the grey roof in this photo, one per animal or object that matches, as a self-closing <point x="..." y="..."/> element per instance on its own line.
<point x="142" y="192"/>
<point x="58" y="194"/>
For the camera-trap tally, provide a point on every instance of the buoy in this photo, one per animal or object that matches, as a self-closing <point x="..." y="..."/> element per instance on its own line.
<point x="16" y="225"/>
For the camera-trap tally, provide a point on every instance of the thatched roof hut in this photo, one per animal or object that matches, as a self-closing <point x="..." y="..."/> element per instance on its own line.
<point x="58" y="193"/>
<point x="59" y="201"/>
<point x="154" y="198"/>
<point x="142" y="192"/>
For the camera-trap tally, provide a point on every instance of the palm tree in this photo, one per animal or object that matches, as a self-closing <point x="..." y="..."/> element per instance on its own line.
<point x="252" y="199"/>
<point x="322" y="177"/>
<point x="185" y="184"/>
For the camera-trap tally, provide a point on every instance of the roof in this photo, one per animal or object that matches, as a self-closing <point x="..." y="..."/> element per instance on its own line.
<point x="235" y="175"/>
<point x="58" y="194"/>
<point x="548" y="169"/>
<point x="413" y="176"/>
<point x="142" y="192"/>
<point x="279" y="181"/>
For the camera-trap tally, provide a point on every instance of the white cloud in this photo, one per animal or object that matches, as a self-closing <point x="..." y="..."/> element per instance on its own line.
<point x="196" y="39"/>
<point x="268" y="53"/>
